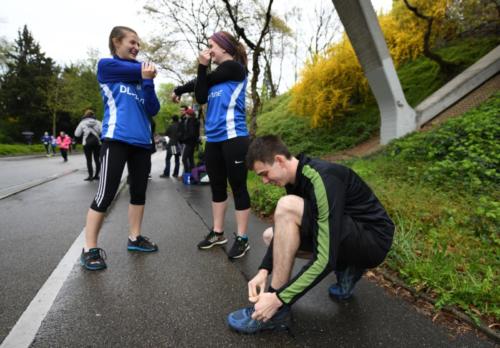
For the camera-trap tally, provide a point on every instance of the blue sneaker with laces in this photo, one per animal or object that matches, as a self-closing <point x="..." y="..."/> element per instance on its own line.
<point x="93" y="260"/>
<point x="346" y="281"/>
<point x="241" y="321"/>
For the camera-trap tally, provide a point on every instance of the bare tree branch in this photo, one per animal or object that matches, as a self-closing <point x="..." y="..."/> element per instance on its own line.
<point x="446" y="67"/>
<point x="257" y="49"/>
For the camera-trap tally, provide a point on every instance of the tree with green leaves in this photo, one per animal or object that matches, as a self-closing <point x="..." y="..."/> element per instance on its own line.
<point x="168" y="108"/>
<point x="24" y="88"/>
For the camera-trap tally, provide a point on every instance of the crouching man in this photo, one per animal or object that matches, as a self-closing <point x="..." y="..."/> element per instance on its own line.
<point x="329" y="214"/>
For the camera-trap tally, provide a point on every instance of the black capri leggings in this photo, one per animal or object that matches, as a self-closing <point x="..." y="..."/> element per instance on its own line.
<point x="225" y="161"/>
<point x="114" y="155"/>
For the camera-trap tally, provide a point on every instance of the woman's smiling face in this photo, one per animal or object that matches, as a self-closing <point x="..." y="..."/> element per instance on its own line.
<point x="128" y="46"/>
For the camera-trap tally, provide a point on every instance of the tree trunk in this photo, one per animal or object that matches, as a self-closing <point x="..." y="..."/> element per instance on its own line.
<point x="447" y="68"/>
<point x="254" y="93"/>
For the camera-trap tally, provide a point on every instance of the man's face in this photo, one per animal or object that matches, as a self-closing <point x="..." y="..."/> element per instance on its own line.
<point x="274" y="174"/>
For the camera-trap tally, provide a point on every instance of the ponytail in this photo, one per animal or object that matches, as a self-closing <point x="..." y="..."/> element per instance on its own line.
<point x="241" y="54"/>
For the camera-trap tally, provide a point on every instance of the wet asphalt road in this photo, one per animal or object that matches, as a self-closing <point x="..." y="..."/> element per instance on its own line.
<point x="178" y="297"/>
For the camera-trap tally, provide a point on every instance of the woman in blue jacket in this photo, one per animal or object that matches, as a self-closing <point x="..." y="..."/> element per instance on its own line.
<point x="227" y="136"/>
<point x="130" y="102"/>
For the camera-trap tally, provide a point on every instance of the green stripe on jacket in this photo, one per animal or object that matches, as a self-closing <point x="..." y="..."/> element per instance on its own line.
<point x="323" y="239"/>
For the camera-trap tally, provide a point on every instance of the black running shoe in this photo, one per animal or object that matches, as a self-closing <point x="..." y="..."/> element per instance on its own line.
<point x="239" y="248"/>
<point x="88" y="178"/>
<point x="93" y="260"/>
<point x="142" y="244"/>
<point x="212" y="239"/>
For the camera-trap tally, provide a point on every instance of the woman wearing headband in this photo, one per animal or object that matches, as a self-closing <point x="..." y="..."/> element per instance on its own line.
<point x="227" y="136"/>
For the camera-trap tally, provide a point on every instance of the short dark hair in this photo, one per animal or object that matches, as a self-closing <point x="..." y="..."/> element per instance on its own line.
<point x="264" y="149"/>
<point x="175" y="118"/>
<point x="89" y="113"/>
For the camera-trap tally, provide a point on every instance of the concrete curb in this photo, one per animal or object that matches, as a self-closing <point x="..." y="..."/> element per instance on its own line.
<point x="27" y="186"/>
<point x="460" y="86"/>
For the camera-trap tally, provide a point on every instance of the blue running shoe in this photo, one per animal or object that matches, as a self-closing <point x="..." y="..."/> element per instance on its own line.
<point x="241" y="321"/>
<point x="346" y="281"/>
<point x="142" y="244"/>
<point x="93" y="260"/>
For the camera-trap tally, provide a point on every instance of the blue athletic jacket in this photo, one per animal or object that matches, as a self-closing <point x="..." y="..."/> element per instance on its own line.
<point x="129" y="101"/>
<point x="224" y="91"/>
<point x="226" y="111"/>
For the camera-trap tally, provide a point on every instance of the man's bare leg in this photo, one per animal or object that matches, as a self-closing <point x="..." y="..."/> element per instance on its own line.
<point x="286" y="239"/>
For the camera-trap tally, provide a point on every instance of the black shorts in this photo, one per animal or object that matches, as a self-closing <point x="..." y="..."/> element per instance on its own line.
<point x="360" y="245"/>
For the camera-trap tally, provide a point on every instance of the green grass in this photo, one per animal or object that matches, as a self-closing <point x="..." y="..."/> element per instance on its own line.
<point x="296" y="131"/>
<point x="20" y="149"/>
<point x="442" y="189"/>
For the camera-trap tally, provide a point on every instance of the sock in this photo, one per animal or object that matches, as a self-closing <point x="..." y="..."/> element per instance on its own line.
<point x="219" y="233"/>
<point x="132" y="238"/>
<point x="245" y="237"/>
<point x="271" y="289"/>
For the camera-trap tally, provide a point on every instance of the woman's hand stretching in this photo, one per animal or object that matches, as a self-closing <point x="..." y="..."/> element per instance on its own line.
<point x="148" y="70"/>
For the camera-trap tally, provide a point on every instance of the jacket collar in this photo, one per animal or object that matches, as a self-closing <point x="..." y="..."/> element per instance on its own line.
<point x="299" y="177"/>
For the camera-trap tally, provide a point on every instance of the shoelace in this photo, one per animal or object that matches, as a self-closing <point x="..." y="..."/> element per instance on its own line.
<point x="211" y="236"/>
<point x="241" y="241"/>
<point x="97" y="253"/>
<point x="141" y="239"/>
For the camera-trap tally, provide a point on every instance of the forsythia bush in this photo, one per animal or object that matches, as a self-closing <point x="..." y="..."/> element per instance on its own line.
<point x="328" y="83"/>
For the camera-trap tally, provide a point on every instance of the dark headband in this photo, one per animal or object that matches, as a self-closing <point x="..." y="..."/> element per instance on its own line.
<point x="224" y="42"/>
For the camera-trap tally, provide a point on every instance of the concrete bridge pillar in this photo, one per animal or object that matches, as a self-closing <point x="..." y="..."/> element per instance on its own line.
<point x="362" y="28"/>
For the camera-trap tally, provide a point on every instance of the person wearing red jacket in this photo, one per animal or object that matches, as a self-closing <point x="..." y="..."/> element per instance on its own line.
<point x="64" y="142"/>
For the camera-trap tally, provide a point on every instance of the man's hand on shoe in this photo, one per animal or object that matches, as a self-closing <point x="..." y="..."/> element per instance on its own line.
<point x="267" y="306"/>
<point x="257" y="285"/>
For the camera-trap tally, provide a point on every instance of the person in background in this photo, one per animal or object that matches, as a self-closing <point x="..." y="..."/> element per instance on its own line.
<point x="173" y="148"/>
<point x="64" y="143"/>
<point x="90" y="130"/>
<point x="46" y="142"/>
<point x="190" y="133"/>
<point x="53" y="144"/>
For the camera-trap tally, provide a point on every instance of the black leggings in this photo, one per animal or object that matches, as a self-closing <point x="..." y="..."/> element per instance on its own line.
<point x="225" y="161"/>
<point x="92" y="150"/>
<point x="114" y="155"/>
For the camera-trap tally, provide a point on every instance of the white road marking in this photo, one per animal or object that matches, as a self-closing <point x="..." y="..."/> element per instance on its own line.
<point x="23" y="333"/>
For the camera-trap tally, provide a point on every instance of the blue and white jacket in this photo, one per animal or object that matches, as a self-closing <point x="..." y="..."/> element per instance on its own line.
<point x="224" y="91"/>
<point x="129" y="101"/>
<point x="226" y="117"/>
